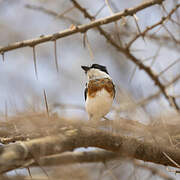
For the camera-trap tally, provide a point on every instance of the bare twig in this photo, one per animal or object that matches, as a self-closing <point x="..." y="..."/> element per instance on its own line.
<point x="29" y="172"/>
<point x="153" y="170"/>
<point x="115" y="23"/>
<point x="163" y="19"/>
<point x="46" y="103"/>
<point x="128" y="54"/>
<point x="75" y="157"/>
<point x="170" y="34"/>
<point x="55" y="56"/>
<point x="86" y="43"/>
<point x="66" y="11"/>
<point x="146" y="100"/>
<point x="53" y="13"/>
<point x="170" y="159"/>
<point x="13" y="155"/>
<point x="172" y="64"/>
<point x="137" y="25"/>
<point x="81" y="28"/>
<point x="35" y="62"/>
<point x="164" y="40"/>
<point x="155" y="56"/>
<point x="100" y="9"/>
<point x="158" y="39"/>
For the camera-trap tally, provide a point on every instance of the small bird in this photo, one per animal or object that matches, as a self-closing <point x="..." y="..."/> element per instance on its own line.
<point x="99" y="92"/>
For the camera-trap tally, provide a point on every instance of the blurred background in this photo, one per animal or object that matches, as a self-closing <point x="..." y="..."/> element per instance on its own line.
<point x="22" y="91"/>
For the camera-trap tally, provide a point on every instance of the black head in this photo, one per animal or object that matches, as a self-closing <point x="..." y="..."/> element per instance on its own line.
<point x="95" y="66"/>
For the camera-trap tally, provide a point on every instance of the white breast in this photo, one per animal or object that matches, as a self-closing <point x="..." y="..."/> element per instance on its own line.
<point x="100" y="105"/>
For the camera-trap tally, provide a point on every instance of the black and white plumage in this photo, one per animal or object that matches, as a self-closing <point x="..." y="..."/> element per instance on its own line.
<point x="99" y="92"/>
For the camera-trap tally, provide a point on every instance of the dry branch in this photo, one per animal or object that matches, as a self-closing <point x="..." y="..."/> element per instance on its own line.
<point x="14" y="155"/>
<point x="97" y="23"/>
<point x="156" y="95"/>
<point x="77" y="29"/>
<point x="108" y="37"/>
<point x="165" y="40"/>
<point x="153" y="170"/>
<point x="75" y="157"/>
<point x="52" y="13"/>
<point x="93" y="156"/>
<point x="130" y="56"/>
<point x="163" y="19"/>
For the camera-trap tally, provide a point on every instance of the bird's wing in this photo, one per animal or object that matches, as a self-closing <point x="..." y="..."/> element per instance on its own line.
<point x="114" y="89"/>
<point x="85" y="92"/>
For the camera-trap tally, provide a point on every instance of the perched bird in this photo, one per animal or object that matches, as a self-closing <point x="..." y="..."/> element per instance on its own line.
<point x="99" y="92"/>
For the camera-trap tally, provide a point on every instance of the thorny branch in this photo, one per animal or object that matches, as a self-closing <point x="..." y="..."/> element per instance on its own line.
<point x="45" y="150"/>
<point x="97" y="23"/>
<point x="129" y="55"/>
<point x="144" y="33"/>
<point x="163" y="19"/>
<point x="77" y="29"/>
<point x="88" y="157"/>
<point x="15" y="155"/>
<point x="158" y="39"/>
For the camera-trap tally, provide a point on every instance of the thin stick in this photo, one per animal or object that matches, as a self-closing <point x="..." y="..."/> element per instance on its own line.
<point x="29" y="172"/>
<point x="170" y="34"/>
<point x="34" y="59"/>
<point x="163" y="19"/>
<point x="175" y="163"/>
<point x="101" y="8"/>
<point x="65" y="12"/>
<point x="86" y="43"/>
<point x="137" y="25"/>
<point x="132" y="74"/>
<point x="115" y="23"/>
<point x="55" y="56"/>
<point x="155" y="56"/>
<point x="81" y="28"/>
<point x="129" y="55"/>
<point x="163" y="71"/>
<point x="46" y="103"/>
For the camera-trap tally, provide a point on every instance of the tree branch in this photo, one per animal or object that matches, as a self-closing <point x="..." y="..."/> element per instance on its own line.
<point x="130" y="56"/>
<point x="77" y="29"/>
<point x="153" y="170"/>
<point x="163" y="19"/>
<point x="75" y="157"/>
<point x="68" y="139"/>
<point x="97" y="23"/>
<point x="91" y="157"/>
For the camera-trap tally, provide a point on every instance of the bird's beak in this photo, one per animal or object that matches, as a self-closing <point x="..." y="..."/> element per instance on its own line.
<point x="85" y="68"/>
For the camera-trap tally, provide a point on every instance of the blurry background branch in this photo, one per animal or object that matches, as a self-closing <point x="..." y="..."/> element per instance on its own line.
<point x="161" y="22"/>
<point x="154" y="171"/>
<point x="70" y="137"/>
<point x="54" y="14"/>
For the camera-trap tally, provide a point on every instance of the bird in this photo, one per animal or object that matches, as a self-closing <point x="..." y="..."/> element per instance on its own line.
<point x="99" y="92"/>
